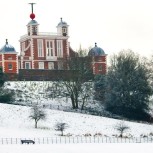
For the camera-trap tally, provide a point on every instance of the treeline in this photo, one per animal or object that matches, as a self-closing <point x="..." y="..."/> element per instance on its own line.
<point x="127" y="88"/>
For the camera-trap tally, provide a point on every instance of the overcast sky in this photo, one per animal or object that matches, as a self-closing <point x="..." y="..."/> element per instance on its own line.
<point x="113" y="24"/>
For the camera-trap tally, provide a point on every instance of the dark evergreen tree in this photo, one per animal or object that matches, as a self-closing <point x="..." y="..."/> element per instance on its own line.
<point x="6" y="96"/>
<point x="128" y="81"/>
<point x="1" y="77"/>
<point x="100" y="87"/>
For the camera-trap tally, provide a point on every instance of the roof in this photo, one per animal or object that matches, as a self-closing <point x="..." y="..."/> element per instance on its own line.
<point x="33" y="22"/>
<point x="96" y="51"/>
<point x="62" y="23"/>
<point x="7" y="48"/>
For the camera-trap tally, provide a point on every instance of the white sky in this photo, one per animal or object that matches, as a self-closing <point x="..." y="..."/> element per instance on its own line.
<point x="113" y="24"/>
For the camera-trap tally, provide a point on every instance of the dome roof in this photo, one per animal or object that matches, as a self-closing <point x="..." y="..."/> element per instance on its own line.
<point x="62" y="23"/>
<point x="7" y="48"/>
<point x="33" y="22"/>
<point x="96" y="51"/>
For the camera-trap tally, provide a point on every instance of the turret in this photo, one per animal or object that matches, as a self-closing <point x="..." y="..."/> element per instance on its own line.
<point x="62" y="28"/>
<point x="32" y="26"/>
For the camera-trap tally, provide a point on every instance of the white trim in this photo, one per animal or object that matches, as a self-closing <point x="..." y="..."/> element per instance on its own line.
<point x="40" y="48"/>
<point x="26" y="47"/>
<point x="22" y="46"/>
<point x="17" y="64"/>
<point x="50" y="48"/>
<point x="29" y="65"/>
<point x="68" y="48"/>
<point x="40" y="65"/>
<point x="59" y="45"/>
<point x="3" y="63"/>
<point x="51" y="65"/>
<point x="32" y="53"/>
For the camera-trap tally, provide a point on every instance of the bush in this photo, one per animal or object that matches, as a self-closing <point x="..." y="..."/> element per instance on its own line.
<point x="132" y="114"/>
<point x="6" y="97"/>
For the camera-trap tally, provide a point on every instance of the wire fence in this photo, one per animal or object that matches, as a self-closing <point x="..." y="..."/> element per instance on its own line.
<point x="82" y="139"/>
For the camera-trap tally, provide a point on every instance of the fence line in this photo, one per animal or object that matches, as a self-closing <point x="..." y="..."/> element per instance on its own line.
<point x="79" y="139"/>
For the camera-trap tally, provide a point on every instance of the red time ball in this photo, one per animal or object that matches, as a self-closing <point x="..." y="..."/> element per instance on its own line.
<point x="32" y="16"/>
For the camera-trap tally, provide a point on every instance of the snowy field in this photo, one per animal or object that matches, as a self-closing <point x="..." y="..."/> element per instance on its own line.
<point x="78" y="148"/>
<point x="15" y="123"/>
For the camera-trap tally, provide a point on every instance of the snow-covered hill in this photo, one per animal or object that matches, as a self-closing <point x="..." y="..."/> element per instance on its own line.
<point x="15" y="123"/>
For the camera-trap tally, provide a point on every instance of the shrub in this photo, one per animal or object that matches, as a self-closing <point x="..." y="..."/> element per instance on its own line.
<point x="6" y="97"/>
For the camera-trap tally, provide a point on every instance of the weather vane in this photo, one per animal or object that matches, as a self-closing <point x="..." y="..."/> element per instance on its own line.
<point x="32" y="15"/>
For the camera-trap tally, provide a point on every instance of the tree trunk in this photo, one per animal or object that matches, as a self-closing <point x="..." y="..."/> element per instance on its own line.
<point x="82" y="107"/>
<point x="36" y="124"/>
<point x="62" y="133"/>
<point x="73" y="102"/>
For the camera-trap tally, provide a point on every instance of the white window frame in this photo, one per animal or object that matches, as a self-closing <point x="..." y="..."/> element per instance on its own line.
<point x="59" y="48"/>
<point x="40" y="47"/>
<point x="50" y="49"/>
<point x="28" y="64"/>
<point x="41" y="65"/>
<point x="51" y="65"/>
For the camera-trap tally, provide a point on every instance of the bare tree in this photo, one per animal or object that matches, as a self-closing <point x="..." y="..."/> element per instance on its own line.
<point x="86" y="93"/>
<point x="61" y="127"/>
<point x="121" y="127"/>
<point x="37" y="114"/>
<point x="82" y="72"/>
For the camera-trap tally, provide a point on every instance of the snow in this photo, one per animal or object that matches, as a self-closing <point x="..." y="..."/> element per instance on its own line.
<point x="17" y="118"/>
<point x="15" y="123"/>
<point x="77" y="148"/>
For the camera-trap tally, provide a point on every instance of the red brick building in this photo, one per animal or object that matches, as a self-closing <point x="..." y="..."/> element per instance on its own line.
<point x="8" y="59"/>
<point x="46" y="51"/>
<point x="98" y="60"/>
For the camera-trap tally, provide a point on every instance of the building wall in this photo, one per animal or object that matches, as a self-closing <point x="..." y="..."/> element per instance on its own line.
<point x="10" y="59"/>
<point x="44" y="59"/>
<point x="99" y="64"/>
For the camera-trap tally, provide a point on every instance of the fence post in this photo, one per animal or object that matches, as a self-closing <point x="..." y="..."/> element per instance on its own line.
<point x="73" y="139"/>
<point x="47" y="140"/>
<point x="60" y="139"/>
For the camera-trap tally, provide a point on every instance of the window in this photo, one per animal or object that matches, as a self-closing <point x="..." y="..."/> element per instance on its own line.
<point x="64" y="30"/>
<point x="40" y="48"/>
<point x="41" y="65"/>
<point x="10" y="67"/>
<point x="59" y="48"/>
<point x="100" y="68"/>
<point x="51" y="65"/>
<point x="50" y="48"/>
<point x="9" y="58"/>
<point x="34" y="30"/>
<point x="27" y="65"/>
